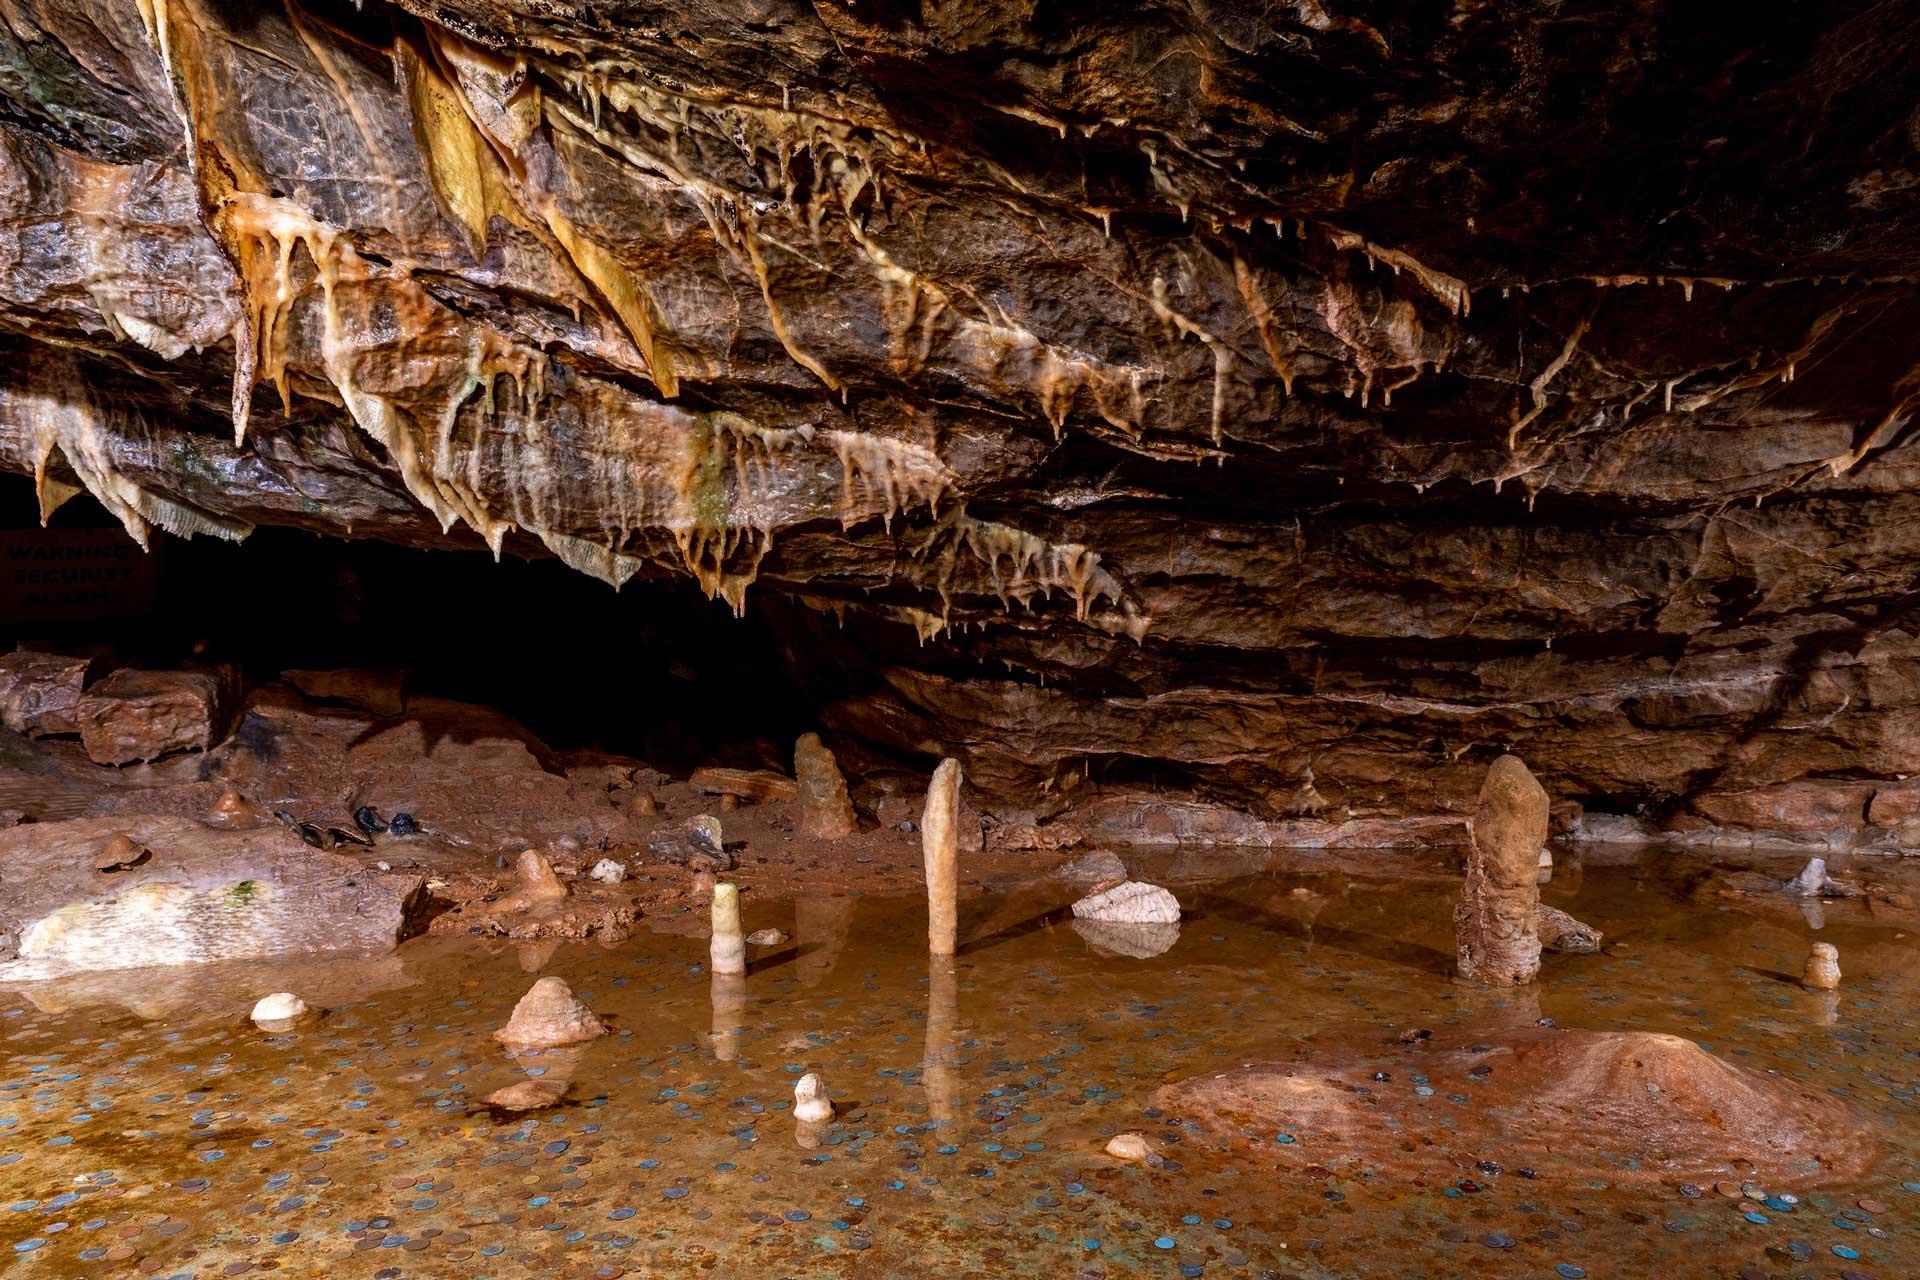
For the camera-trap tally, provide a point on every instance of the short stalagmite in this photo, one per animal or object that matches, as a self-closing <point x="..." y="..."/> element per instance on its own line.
<point x="939" y="846"/>
<point x="536" y="878"/>
<point x="1823" y="967"/>
<point x="728" y="950"/>
<point x="823" y="808"/>
<point x="547" y="1016"/>
<point x="1495" y="928"/>
<point x="281" y="1011"/>
<point x="810" y="1102"/>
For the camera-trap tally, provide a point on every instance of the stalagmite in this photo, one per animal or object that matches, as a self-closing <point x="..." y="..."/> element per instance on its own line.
<point x="939" y="848"/>
<point x="548" y="1016"/>
<point x="279" y="1012"/>
<point x="1823" y="967"/>
<point x="1495" y="923"/>
<point x="537" y="881"/>
<point x="823" y="808"/>
<point x="1128" y="1146"/>
<point x="728" y="950"/>
<point x="810" y="1102"/>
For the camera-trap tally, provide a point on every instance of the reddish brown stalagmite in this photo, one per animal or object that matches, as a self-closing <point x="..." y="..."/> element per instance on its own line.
<point x="1495" y="926"/>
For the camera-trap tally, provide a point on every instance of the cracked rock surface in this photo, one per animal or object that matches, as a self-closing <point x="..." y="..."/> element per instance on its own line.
<point x="1227" y="421"/>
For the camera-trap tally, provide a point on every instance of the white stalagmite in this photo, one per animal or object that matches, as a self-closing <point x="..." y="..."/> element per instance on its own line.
<point x="939" y="845"/>
<point x="729" y="948"/>
<point x="810" y="1102"/>
<point x="279" y="1011"/>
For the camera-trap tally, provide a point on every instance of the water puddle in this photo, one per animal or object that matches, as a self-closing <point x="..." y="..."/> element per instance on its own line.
<point x="147" y="1128"/>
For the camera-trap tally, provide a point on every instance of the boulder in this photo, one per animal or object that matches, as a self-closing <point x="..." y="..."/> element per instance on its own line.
<point x="201" y="894"/>
<point x="1130" y="902"/>
<point x="40" y="692"/>
<point x="142" y="715"/>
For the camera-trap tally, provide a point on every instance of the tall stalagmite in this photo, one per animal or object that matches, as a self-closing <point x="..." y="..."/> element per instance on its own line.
<point x="939" y="847"/>
<point x="1495" y="925"/>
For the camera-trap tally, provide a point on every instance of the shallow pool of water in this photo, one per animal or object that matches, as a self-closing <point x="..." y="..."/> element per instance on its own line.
<point x="147" y="1128"/>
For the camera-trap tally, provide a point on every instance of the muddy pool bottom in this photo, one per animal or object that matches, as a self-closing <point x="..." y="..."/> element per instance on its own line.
<point x="147" y="1128"/>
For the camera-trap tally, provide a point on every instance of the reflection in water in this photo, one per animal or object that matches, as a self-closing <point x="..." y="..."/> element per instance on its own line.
<point x="938" y="1051"/>
<point x="1131" y="941"/>
<point x="728" y="995"/>
<point x="820" y="926"/>
<point x="178" y="1129"/>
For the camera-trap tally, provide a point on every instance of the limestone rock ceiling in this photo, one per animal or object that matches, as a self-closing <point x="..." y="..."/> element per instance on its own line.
<point x="1288" y="404"/>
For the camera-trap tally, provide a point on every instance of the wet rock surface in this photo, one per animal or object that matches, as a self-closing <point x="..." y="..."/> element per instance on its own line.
<point x="1262" y="457"/>
<point x="1557" y="1102"/>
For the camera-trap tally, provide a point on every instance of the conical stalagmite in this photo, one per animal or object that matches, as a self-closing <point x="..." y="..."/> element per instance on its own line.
<point x="1823" y="967"/>
<point x="939" y="847"/>
<point x="1495" y="925"/>
<point x="822" y="809"/>
<point x="728" y="950"/>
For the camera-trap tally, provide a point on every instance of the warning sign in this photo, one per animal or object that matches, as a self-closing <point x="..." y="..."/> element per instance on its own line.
<point x="73" y="575"/>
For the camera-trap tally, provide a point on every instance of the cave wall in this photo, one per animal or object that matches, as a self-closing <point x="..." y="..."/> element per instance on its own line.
<point x="1223" y="421"/>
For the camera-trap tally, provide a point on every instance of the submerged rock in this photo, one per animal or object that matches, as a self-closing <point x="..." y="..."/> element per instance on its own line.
<point x="1814" y="882"/>
<point x="528" y="1095"/>
<point x="1495" y="925"/>
<point x="549" y="1015"/>
<point x="1128" y="1146"/>
<point x="823" y="808"/>
<point x="1629" y="1106"/>
<point x="1559" y="931"/>
<point x="1131" y="902"/>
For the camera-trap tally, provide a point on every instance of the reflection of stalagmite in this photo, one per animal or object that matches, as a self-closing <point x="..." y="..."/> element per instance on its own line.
<point x="1500" y="1006"/>
<point x="820" y="926"/>
<point x="938" y="1072"/>
<point x="939" y="847"/>
<point x="557" y="1068"/>
<point x="1494" y="925"/>
<point x="534" y="956"/>
<point x="728" y="949"/>
<point x="729" y="996"/>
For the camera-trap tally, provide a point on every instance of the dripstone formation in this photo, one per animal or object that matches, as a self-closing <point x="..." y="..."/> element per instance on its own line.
<point x="1496" y="925"/>
<point x="1219" y="421"/>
